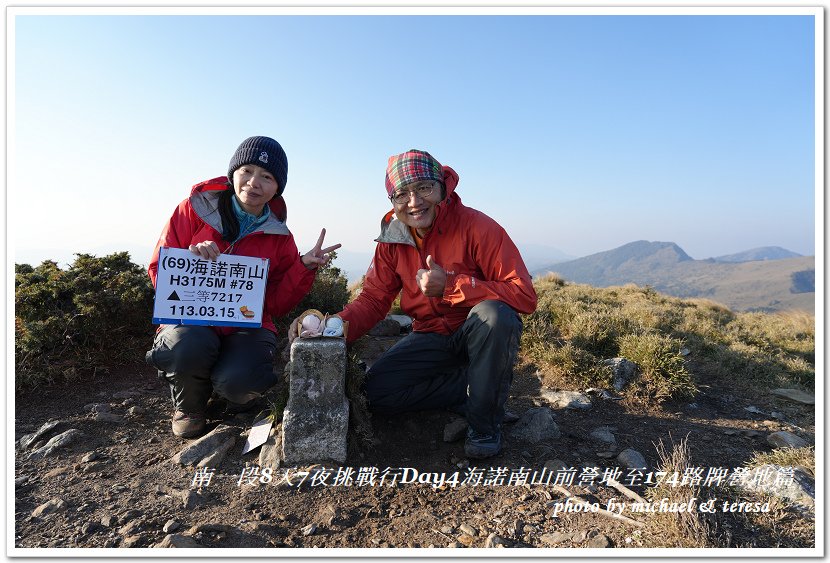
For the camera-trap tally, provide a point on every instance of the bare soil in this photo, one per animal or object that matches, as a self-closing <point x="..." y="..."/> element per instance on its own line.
<point x="132" y="491"/>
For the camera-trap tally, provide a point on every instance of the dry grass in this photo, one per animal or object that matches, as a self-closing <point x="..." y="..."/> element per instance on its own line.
<point x="787" y="457"/>
<point x="676" y="529"/>
<point x="576" y="327"/>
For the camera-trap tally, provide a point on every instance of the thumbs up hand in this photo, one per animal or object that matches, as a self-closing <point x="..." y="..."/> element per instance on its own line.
<point x="433" y="280"/>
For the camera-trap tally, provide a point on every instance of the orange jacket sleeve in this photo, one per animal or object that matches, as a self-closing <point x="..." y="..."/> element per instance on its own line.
<point x="380" y="287"/>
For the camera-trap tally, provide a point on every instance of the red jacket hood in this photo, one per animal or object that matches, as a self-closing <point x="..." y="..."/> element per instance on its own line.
<point x="400" y="230"/>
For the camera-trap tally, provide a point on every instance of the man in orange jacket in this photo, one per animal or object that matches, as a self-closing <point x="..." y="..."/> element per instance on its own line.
<point x="463" y="282"/>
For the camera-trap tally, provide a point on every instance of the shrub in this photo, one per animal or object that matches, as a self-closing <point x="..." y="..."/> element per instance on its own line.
<point x="79" y="320"/>
<point x="663" y="373"/>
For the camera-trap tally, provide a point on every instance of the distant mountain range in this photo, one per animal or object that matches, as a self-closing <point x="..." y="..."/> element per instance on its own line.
<point x="762" y="253"/>
<point x="761" y="279"/>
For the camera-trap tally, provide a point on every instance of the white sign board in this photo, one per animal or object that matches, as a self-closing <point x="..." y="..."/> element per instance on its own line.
<point x="228" y="291"/>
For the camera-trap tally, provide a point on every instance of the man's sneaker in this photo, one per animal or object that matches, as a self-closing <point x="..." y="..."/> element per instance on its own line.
<point x="479" y="446"/>
<point x="188" y="424"/>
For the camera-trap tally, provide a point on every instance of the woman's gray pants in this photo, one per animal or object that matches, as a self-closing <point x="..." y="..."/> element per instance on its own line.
<point x="433" y="371"/>
<point x="196" y="361"/>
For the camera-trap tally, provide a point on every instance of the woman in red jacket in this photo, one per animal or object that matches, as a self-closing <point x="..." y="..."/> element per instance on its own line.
<point x="242" y="214"/>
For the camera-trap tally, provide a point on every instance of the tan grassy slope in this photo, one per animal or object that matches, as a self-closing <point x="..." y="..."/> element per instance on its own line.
<point x="576" y="327"/>
<point x="759" y="285"/>
<point x="768" y="285"/>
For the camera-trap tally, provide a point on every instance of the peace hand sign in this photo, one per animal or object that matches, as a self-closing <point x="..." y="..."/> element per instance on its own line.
<point x="318" y="256"/>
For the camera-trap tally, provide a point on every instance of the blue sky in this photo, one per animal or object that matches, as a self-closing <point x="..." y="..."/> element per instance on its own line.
<point x="579" y="133"/>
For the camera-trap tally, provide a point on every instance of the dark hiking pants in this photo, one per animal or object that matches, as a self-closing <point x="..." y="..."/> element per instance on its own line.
<point x="433" y="371"/>
<point x="195" y="361"/>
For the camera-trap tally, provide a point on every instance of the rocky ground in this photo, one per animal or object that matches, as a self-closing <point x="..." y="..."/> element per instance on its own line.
<point x="114" y="483"/>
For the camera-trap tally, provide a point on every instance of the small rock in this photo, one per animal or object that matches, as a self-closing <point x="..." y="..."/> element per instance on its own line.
<point x="205" y="446"/>
<point x="788" y="483"/>
<point x="170" y="526"/>
<point x="566" y="399"/>
<point x="784" y="439"/>
<point x="599" y="541"/>
<point x="554" y="465"/>
<point x="632" y="459"/>
<point x="60" y="441"/>
<point x="731" y="432"/>
<point x="93" y="467"/>
<point x="603" y="434"/>
<point x="136" y="411"/>
<point x="49" y="507"/>
<point x="685" y="352"/>
<point x="107" y="417"/>
<point x="178" y="540"/>
<point x="90" y="527"/>
<point x="623" y="370"/>
<point x="455" y="545"/>
<point x="130" y="528"/>
<point x="447" y="530"/>
<point x="215" y="458"/>
<point x="466" y="539"/>
<point x="97" y="407"/>
<point x="605" y="454"/>
<point x="403" y="320"/>
<point x="536" y="424"/>
<point x="310" y="530"/>
<point x="467" y="529"/>
<point x="580" y="536"/>
<point x="795" y="395"/>
<point x="509" y="417"/>
<point x="31" y="439"/>
<point x="55" y="472"/>
<point x="270" y="453"/>
<point x="554" y="538"/>
<point x="91" y="456"/>
<point x="192" y="498"/>
<point x="210" y="528"/>
<point x="455" y="430"/>
<point x="108" y="521"/>
<point x="386" y="327"/>
<point x="132" y="541"/>
<point x="130" y="515"/>
<point x="494" y="540"/>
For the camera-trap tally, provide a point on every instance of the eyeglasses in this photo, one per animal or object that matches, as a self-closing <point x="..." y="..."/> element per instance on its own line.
<point x="402" y="196"/>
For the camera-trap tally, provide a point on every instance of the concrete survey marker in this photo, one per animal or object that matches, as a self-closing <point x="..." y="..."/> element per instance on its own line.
<point x="316" y="419"/>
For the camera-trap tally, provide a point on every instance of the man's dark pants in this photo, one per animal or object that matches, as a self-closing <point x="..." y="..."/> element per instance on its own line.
<point x="195" y="361"/>
<point x="434" y="371"/>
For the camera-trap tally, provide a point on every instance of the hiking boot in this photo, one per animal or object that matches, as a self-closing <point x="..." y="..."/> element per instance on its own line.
<point x="188" y="424"/>
<point x="480" y="446"/>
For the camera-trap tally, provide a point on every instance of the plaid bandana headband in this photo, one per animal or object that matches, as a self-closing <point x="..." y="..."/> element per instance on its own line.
<point x="411" y="166"/>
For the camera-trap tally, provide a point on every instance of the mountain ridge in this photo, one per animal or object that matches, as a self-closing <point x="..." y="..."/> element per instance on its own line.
<point x="757" y="285"/>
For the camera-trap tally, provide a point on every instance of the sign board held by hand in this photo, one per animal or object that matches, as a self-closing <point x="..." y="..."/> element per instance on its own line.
<point x="228" y="291"/>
